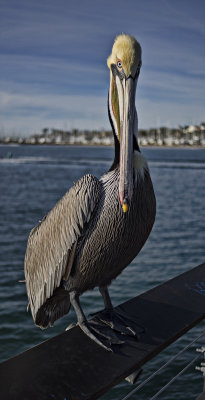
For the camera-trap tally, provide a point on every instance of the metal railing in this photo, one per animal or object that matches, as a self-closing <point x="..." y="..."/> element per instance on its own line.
<point x="171" y="360"/>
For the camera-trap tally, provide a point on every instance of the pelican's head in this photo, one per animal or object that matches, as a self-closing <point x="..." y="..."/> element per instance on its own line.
<point x="124" y="64"/>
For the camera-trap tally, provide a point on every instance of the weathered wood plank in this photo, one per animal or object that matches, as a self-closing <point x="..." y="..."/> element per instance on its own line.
<point x="71" y="366"/>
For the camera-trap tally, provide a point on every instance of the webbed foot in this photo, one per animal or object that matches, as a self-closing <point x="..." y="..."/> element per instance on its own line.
<point x="104" y="330"/>
<point x="95" y="330"/>
<point x="116" y="318"/>
<point x="118" y="321"/>
<point x="98" y="329"/>
<point x="89" y="332"/>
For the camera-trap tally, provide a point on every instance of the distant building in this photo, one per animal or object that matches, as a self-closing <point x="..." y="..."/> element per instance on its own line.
<point x="190" y="135"/>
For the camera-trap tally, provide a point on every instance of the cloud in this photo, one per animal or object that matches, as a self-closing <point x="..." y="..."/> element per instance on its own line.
<point x="159" y="113"/>
<point x="53" y="61"/>
<point x="27" y="114"/>
<point x="172" y="86"/>
<point x="54" y="75"/>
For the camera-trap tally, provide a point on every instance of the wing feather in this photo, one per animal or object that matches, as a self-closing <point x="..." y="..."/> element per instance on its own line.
<point x="49" y="250"/>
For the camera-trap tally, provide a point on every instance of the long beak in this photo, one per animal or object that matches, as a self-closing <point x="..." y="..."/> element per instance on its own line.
<point x="126" y="94"/>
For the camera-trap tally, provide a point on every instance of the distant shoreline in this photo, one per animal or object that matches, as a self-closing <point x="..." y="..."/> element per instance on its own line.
<point x="188" y="136"/>
<point x="184" y="136"/>
<point x="163" y="146"/>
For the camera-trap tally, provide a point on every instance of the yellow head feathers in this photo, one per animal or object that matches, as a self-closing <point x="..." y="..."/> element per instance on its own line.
<point x="127" y="50"/>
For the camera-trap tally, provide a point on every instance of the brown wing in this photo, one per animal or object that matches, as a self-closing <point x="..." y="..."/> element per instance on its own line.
<point x="51" y="244"/>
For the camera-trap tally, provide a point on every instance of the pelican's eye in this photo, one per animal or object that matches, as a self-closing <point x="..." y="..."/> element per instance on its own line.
<point x="119" y="64"/>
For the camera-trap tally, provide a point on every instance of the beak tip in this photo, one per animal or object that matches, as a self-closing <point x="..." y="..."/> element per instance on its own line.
<point x="125" y="207"/>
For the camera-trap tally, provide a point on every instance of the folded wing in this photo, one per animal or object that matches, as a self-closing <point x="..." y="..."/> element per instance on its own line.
<point x="51" y="244"/>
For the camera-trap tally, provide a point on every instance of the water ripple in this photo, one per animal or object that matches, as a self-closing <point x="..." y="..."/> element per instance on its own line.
<point x="31" y="183"/>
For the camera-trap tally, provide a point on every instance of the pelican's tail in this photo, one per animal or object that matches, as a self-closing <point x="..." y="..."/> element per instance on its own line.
<point x="54" y="308"/>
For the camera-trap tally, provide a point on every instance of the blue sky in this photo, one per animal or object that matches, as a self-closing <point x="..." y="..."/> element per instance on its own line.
<point x="53" y="70"/>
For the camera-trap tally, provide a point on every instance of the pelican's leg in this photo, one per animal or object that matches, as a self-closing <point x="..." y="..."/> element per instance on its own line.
<point x="116" y="318"/>
<point x="106" y="297"/>
<point x="83" y="323"/>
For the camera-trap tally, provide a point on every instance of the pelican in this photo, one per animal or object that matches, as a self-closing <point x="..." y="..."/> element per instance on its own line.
<point x="100" y="225"/>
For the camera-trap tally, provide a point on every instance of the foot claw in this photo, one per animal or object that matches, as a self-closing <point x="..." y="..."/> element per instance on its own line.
<point x="87" y="330"/>
<point x="103" y="330"/>
<point x="70" y="326"/>
<point x="92" y="326"/>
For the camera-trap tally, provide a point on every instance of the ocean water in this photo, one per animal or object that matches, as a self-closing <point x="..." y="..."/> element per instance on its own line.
<point x="36" y="177"/>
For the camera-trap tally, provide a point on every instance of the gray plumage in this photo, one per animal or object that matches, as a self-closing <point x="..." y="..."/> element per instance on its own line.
<point x="51" y="242"/>
<point x="90" y="220"/>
